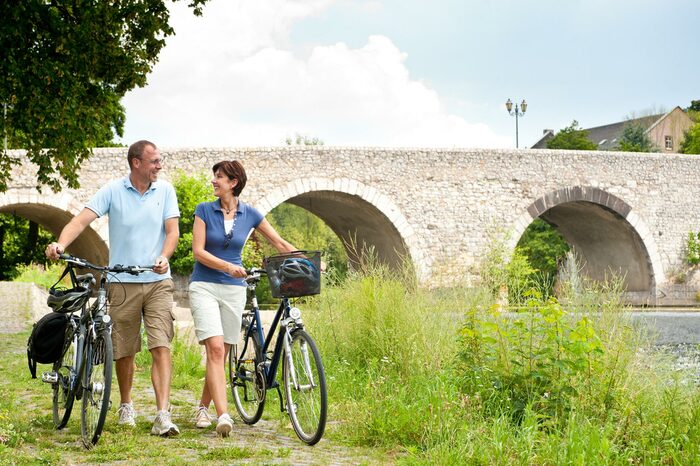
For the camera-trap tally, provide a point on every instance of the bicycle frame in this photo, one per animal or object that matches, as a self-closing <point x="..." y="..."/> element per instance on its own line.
<point x="89" y="377"/>
<point x="287" y="343"/>
<point x="282" y="338"/>
<point x="86" y="323"/>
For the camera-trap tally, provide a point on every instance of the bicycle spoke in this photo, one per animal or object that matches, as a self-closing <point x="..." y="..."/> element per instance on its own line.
<point x="66" y="372"/>
<point x="247" y="384"/>
<point x="305" y="388"/>
<point x="96" y="392"/>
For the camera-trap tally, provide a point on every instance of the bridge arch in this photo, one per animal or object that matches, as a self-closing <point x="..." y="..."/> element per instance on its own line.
<point x="53" y="211"/>
<point x="358" y="214"/>
<point x="605" y="232"/>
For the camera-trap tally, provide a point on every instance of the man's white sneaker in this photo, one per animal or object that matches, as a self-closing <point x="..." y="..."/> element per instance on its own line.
<point x="224" y="426"/>
<point x="202" y="420"/>
<point x="127" y="415"/>
<point x="162" y="425"/>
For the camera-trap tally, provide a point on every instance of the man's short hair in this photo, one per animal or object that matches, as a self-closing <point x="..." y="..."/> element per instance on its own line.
<point x="136" y="150"/>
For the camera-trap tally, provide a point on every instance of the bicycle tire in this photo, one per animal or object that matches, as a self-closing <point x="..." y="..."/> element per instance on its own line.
<point x="63" y="395"/>
<point x="247" y="384"/>
<point x="96" y="392"/>
<point x="307" y="400"/>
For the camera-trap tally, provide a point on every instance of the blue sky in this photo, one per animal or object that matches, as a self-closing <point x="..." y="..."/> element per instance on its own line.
<point x="412" y="73"/>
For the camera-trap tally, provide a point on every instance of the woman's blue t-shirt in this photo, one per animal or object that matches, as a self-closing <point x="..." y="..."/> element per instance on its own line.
<point x="247" y="218"/>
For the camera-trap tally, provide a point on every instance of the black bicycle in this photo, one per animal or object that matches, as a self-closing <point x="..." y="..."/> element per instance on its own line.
<point x="84" y="370"/>
<point x="253" y="369"/>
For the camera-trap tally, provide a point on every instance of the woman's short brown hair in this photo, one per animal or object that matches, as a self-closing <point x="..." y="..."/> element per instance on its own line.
<point x="234" y="170"/>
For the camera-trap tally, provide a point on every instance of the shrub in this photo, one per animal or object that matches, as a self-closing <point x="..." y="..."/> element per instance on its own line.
<point x="385" y="344"/>
<point x="533" y="358"/>
<point x="191" y="189"/>
<point x="507" y="275"/>
<point x="42" y="276"/>
<point x="693" y="248"/>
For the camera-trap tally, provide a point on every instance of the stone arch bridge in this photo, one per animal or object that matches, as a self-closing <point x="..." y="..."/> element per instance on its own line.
<point x="624" y="213"/>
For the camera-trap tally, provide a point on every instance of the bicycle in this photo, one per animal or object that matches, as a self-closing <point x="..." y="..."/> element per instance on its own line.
<point x="84" y="370"/>
<point x="253" y="370"/>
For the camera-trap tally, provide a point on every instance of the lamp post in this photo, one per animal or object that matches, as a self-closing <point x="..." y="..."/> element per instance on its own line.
<point x="518" y="112"/>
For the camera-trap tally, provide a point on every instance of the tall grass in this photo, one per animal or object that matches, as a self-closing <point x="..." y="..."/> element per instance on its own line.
<point x="450" y="378"/>
<point x="42" y="276"/>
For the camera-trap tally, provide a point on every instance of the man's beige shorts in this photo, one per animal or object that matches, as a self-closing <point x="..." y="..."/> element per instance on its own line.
<point x="152" y="302"/>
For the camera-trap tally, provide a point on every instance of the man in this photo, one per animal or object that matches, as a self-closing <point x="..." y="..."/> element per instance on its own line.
<point x="143" y="229"/>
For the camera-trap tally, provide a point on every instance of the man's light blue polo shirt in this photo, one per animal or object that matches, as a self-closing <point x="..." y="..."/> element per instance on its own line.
<point x="136" y="224"/>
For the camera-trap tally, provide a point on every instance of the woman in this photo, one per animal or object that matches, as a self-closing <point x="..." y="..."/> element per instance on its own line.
<point x="217" y="289"/>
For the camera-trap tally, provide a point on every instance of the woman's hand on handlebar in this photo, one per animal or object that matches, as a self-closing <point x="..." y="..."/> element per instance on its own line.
<point x="236" y="271"/>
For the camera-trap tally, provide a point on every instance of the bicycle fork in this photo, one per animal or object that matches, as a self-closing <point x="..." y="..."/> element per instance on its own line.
<point x="305" y="359"/>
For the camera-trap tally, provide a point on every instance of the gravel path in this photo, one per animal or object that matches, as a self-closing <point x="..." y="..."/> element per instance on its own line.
<point x="21" y="304"/>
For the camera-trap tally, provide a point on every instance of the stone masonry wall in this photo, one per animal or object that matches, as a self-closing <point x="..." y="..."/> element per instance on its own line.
<point x="444" y="202"/>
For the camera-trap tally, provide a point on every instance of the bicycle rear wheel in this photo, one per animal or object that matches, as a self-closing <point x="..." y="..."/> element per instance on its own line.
<point x="247" y="382"/>
<point x="305" y="388"/>
<point x="66" y="372"/>
<point x="98" y="375"/>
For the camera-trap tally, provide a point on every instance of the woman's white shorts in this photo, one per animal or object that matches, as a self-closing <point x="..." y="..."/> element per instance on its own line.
<point x="217" y="310"/>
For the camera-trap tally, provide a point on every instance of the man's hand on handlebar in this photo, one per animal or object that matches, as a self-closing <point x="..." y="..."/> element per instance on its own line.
<point x="54" y="250"/>
<point x="161" y="266"/>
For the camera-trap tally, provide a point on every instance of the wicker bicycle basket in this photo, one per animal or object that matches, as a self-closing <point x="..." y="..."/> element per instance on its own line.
<point x="294" y="274"/>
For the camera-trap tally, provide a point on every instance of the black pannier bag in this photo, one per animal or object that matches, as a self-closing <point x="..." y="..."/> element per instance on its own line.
<point x="46" y="341"/>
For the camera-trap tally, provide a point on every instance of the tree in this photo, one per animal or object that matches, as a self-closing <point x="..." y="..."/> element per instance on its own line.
<point x="691" y="141"/>
<point x="302" y="140"/>
<point x="694" y="110"/>
<point x="191" y="189"/>
<point x="571" y="138"/>
<point x="66" y="65"/>
<point x="544" y="247"/>
<point x="635" y="139"/>
<point x="21" y="242"/>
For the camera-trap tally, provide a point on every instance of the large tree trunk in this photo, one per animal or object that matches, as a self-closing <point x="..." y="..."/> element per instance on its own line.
<point x="30" y="245"/>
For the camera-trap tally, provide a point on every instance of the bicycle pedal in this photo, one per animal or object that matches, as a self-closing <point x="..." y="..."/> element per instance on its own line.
<point x="49" y="377"/>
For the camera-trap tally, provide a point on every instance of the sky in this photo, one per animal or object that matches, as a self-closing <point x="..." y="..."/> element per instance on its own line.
<point x="410" y="73"/>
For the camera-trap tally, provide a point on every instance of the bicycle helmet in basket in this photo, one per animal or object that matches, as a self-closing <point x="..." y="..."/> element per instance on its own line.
<point x="298" y="268"/>
<point x="66" y="301"/>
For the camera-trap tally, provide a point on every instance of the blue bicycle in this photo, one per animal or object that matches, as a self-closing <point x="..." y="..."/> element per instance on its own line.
<point x="253" y="362"/>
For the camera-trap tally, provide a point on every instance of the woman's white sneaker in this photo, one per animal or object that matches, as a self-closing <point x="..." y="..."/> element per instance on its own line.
<point x="202" y="420"/>
<point x="224" y="426"/>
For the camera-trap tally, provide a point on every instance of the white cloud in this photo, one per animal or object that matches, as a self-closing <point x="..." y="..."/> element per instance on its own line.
<point x="231" y="79"/>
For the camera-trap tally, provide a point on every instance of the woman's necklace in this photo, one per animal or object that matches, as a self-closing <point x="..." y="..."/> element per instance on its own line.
<point x="228" y="211"/>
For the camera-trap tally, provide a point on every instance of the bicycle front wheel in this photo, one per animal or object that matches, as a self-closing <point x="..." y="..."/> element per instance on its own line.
<point x="66" y="372"/>
<point x="305" y="388"/>
<point x="247" y="382"/>
<point x="96" y="390"/>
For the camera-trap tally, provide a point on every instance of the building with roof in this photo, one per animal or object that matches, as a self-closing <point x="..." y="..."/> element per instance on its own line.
<point x="665" y="130"/>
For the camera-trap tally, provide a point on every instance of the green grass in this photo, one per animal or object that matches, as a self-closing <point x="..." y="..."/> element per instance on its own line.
<point x="415" y="377"/>
<point x="28" y="437"/>
<point x="587" y="389"/>
<point x="45" y="277"/>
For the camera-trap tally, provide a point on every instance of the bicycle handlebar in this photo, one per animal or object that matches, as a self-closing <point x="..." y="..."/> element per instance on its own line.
<point x="118" y="268"/>
<point x="254" y="274"/>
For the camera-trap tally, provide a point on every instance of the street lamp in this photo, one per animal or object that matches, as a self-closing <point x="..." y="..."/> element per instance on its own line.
<point x="518" y="112"/>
